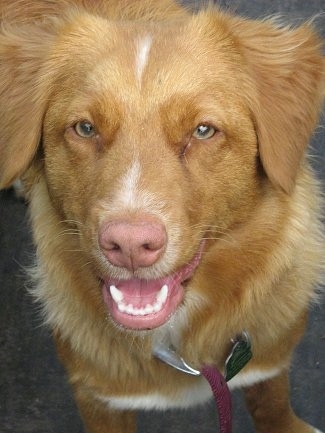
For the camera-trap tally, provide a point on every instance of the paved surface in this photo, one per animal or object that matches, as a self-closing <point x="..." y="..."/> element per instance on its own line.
<point x="34" y="396"/>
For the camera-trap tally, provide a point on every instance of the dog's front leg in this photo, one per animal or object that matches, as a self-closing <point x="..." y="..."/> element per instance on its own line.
<point x="99" y="418"/>
<point x="269" y="405"/>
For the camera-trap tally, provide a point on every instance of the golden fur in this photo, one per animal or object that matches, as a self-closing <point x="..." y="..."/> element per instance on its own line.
<point x="248" y="189"/>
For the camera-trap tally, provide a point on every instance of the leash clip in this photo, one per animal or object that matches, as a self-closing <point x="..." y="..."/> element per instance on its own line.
<point x="239" y="356"/>
<point x="169" y="356"/>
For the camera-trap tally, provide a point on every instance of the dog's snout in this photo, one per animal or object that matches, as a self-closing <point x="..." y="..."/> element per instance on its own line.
<point x="133" y="244"/>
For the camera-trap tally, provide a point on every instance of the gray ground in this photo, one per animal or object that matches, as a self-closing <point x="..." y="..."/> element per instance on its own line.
<point x="34" y="396"/>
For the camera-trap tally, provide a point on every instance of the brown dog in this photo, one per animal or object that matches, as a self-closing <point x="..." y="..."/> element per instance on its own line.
<point x="163" y="155"/>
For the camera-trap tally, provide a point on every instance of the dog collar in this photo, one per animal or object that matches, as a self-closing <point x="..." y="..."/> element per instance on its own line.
<point x="239" y="356"/>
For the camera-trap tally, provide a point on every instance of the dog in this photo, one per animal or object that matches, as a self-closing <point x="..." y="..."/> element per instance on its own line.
<point x="163" y="156"/>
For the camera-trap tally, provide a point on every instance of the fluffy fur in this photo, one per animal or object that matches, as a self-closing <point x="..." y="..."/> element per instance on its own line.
<point x="242" y="202"/>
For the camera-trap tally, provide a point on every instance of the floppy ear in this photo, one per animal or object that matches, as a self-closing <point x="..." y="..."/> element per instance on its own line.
<point x="288" y="70"/>
<point x="24" y="89"/>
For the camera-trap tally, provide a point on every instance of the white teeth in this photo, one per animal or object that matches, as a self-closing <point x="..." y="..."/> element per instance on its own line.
<point x="157" y="307"/>
<point x="118" y="298"/>
<point x="142" y="312"/>
<point x="121" y="307"/>
<point x="130" y="309"/>
<point x="149" y="309"/>
<point x="162" y="295"/>
<point x="117" y="295"/>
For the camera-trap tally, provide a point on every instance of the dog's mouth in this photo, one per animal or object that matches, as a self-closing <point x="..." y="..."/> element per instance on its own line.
<point x="147" y="304"/>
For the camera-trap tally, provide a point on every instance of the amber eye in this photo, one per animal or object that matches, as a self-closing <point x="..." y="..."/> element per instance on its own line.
<point x="85" y="129"/>
<point x="203" y="132"/>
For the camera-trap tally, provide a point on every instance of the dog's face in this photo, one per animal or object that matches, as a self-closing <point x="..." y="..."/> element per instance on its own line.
<point x="151" y="151"/>
<point x="156" y="143"/>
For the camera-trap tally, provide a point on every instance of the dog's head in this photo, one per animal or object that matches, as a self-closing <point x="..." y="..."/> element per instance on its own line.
<point x="155" y="137"/>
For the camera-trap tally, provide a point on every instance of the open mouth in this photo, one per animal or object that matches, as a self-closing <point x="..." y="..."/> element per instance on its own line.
<point x="147" y="304"/>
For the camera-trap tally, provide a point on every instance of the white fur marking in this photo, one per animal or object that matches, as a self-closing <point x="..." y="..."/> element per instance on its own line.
<point x="252" y="376"/>
<point x="128" y="193"/>
<point x="199" y="393"/>
<point x="317" y="431"/>
<point x="188" y="397"/>
<point x="142" y="55"/>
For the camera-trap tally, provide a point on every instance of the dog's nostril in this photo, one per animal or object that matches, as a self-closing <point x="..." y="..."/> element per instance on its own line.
<point x="114" y="247"/>
<point x="134" y="244"/>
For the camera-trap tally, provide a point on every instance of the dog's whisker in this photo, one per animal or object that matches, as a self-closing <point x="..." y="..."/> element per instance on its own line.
<point x="85" y="264"/>
<point x="221" y="239"/>
<point x="72" y="221"/>
<point x="74" y="250"/>
<point x="69" y="232"/>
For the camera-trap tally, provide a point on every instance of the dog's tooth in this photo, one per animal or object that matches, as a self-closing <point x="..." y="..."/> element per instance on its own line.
<point x="129" y="309"/>
<point x="161" y="298"/>
<point x="121" y="307"/>
<point x="157" y="307"/>
<point x="116" y="294"/>
<point x="148" y="309"/>
<point x="141" y="312"/>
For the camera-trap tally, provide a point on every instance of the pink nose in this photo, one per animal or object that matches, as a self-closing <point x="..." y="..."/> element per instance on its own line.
<point x="133" y="244"/>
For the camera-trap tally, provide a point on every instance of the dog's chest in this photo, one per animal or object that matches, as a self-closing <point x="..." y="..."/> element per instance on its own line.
<point x="199" y="393"/>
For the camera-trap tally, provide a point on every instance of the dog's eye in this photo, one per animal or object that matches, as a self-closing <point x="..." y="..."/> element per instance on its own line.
<point x="84" y="129"/>
<point x="203" y="132"/>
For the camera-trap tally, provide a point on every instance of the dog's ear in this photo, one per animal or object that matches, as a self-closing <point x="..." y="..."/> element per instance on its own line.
<point x="24" y="89"/>
<point x="288" y="71"/>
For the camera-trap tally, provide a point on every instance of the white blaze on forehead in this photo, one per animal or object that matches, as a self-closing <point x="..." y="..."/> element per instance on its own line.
<point x="129" y="186"/>
<point x="142" y="55"/>
<point x="130" y="195"/>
